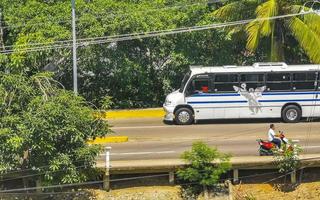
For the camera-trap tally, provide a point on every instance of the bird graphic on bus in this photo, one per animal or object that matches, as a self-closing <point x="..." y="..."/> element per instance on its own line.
<point x="252" y="95"/>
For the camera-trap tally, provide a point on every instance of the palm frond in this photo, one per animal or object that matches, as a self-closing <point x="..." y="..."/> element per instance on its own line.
<point x="234" y="10"/>
<point x="253" y="35"/>
<point x="313" y="22"/>
<point x="293" y="8"/>
<point x="265" y="10"/>
<point x="308" y="39"/>
<point x="228" y="10"/>
<point x="312" y="19"/>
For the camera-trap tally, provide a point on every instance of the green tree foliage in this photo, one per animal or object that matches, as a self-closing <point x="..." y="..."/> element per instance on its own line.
<point x="201" y="170"/>
<point x="305" y="29"/>
<point x="136" y="73"/>
<point x="44" y="129"/>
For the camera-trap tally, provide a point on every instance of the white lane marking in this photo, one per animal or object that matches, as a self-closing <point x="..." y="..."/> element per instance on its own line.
<point x="140" y="153"/>
<point x="142" y="127"/>
<point x="310" y="147"/>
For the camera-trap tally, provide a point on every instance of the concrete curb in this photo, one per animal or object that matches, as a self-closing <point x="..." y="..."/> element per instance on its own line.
<point x="109" y="139"/>
<point x="136" y="113"/>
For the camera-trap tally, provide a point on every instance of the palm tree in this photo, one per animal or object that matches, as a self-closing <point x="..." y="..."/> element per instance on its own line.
<point x="304" y="28"/>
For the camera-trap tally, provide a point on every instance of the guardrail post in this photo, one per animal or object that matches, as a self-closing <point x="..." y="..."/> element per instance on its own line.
<point x="230" y="187"/>
<point x="235" y="175"/>
<point x="106" y="177"/>
<point x="293" y="177"/>
<point x="171" y="177"/>
<point x="38" y="186"/>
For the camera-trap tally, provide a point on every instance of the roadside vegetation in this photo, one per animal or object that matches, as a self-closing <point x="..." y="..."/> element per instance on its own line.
<point x="43" y="132"/>
<point x="288" y="164"/>
<point x="201" y="175"/>
<point x="139" y="73"/>
<point x="44" y="126"/>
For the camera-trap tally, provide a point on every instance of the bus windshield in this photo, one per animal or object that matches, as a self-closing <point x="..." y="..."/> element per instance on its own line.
<point x="184" y="81"/>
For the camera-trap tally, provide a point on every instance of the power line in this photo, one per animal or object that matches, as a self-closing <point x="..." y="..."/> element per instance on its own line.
<point x="80" y="184"/>
<point x="34" y="168"/>
<point x="37" y="174"/>
<point x="142" y="35"/>
<point x="114" y="14"/>
<point x="43" y="193"/>
<point x="64" y="41"/>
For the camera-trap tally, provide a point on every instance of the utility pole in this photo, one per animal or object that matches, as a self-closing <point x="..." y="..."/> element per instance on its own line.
<point x="74" y="48"/>
<point x="1" y="33"/>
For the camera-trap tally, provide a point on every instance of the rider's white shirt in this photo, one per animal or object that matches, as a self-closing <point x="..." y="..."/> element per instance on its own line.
<point x="271" y="134"/>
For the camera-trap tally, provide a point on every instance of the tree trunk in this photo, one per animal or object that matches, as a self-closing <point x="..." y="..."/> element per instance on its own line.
<point x="23" y="166"/>
<point x="205" y="193"/>
<point x="276" y="47"/>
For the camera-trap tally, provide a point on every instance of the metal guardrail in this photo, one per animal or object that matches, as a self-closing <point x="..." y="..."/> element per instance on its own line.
<point x="170" y="166"/>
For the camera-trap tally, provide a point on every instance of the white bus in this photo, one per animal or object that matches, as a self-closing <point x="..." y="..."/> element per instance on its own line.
<point x="264" y="90"/>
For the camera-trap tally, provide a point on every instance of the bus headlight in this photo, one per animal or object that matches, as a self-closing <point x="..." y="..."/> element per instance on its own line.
<point x="168" y="103"/>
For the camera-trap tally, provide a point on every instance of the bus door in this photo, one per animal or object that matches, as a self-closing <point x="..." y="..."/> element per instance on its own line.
<point x="198" y="96"/>
<point x="226" y="100"/>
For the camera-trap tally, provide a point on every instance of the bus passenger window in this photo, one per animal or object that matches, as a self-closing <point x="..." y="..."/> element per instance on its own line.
<point x="304" y="81"/>
<point x="252" y="80"/>
<point x="278" y="77"/>
<point x="278" y="82"/>
<point x="225" y="82"/>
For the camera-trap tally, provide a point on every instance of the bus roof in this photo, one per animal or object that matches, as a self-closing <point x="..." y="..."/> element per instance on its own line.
<point x="257" y="67"/>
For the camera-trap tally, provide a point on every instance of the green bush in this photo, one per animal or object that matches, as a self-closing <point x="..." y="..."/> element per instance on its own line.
<point x="44" y="129"/>
<point x="201" y="171"/>
<point x="287" y="159"/>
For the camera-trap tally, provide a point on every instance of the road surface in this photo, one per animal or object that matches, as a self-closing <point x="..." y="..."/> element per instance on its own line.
<point x="152" y="139"/>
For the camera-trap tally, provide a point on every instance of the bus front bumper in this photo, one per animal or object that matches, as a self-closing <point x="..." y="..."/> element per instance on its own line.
<point x="169" y="116"/>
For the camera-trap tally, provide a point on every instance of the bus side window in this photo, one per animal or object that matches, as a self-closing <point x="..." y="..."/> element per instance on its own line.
<point x="252" y="80"/>
<point x="225" y="82"/>
<point x="200" y="84"/>
<point x="304" y="81"/>
<point x="278" y="81"/>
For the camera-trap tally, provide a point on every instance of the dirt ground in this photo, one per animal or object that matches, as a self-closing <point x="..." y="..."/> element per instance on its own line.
<point x="305" y="191"/>
<point x="145" y="193"/>
<point x="140" y="193"/>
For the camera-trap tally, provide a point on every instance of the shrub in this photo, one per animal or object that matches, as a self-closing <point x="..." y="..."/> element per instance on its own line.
<point x="202" y="171"/>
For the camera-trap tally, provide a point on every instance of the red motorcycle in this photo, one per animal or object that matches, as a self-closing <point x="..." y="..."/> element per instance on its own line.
<point x="267" y="148"/>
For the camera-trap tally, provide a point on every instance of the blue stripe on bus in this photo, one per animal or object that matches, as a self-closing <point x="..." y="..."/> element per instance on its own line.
<point x="215" y="95"/>
<point x="262" y="101"/>
<point x="206" y="102"/>
<point x="263" y="94"/>
<point x="290" y="93"/>
<point x="290" y="100"/>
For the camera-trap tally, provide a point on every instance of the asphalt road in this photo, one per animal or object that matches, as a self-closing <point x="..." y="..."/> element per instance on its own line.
<point x="152" y="139"/>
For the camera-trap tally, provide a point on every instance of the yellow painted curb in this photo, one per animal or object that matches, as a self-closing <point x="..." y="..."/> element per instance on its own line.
<point x="139" y="113"/>
<point x="111" y="139"/>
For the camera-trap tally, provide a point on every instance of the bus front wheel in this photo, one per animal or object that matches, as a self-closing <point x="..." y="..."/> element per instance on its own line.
<point x="291" y="114"/>
<point x="184" y="116"/>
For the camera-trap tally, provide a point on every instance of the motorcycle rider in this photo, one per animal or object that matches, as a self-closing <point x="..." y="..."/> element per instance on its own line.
<point x="273" y="137"/>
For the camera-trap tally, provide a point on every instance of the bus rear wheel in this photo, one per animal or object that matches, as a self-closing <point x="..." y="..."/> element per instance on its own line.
<point x="184" y="116"/>
<point x="291" y="114"/>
